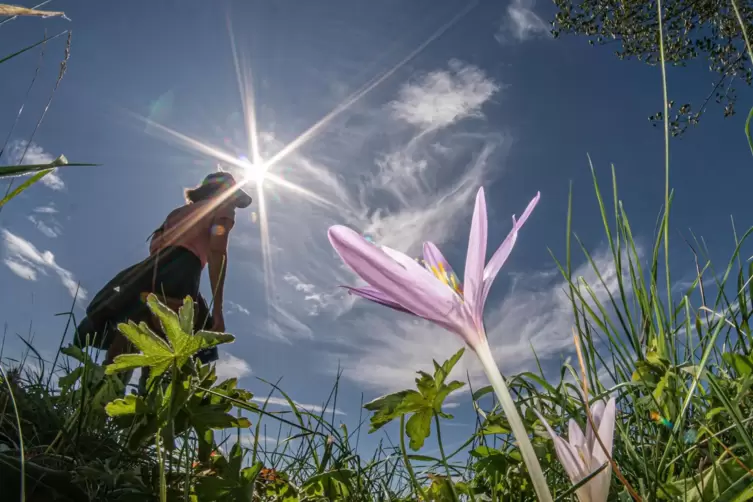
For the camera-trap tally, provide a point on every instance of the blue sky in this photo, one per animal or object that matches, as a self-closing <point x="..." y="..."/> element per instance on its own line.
<point x="492" y="100"/>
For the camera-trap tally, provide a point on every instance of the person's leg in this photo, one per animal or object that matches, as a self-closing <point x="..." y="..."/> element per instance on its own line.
<point x="119" y="345"/>
<point x="143" y="390"/>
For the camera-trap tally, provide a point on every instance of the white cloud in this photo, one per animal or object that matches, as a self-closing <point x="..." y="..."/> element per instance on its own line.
<point x="281" y="324"/>
<point x="21" y="270"/>
<point x="248" y="439"/>
<point x="26" y="261"/>
<point x="443" y="97"/>
<point x="428" y="211"/>
<point x="235" y="307"/>
<point x="229" y="366"/>
<point x="385" y="352"/>
<point x="35" y="154"/>
<point x="298" y="284"/>
<point x="315" y="300"/>
<point x="312" y="408"/>
<point x="50" y="209"/>
<point x="52" y="230"/>
<point x="522" y="23"/>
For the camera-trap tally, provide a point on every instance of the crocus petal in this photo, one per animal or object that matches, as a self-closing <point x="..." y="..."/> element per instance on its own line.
<point x="376" y="296"/>
<point x="474" y="263"/>
<point x="529" y="209"/>
<point x="411" y="265"/>
<point x="569" y="458"/>
<point x="436" y="260"/>
<point x="597" y="412"/>
<point x="575" y="434"/>
<point x="498" y="259"/>
<point x="606" y="431"/>
<point x="410" y="286"/>
<point x="600" y="485"/>
<point x="500" y="256"/>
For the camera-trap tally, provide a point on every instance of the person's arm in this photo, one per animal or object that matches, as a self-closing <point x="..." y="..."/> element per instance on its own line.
<point x="217" y="262"/>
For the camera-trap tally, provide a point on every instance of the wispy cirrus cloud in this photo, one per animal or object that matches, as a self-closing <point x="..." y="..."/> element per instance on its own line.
<point x="236" y="307"/>
<point x="28" y="262"/>
<point x="316" y="299"/>
<point x="522" y="23"/>
<point x="21" y="152"/>
<point x="434" y="173"/>
<point x="50" y="228"/>
<point x="49" y="209"/>
<point x="249" y="440"/>
<point x="281" y="402"/>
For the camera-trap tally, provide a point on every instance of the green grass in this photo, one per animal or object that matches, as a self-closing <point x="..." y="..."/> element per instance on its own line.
<point x="684" y="357"/>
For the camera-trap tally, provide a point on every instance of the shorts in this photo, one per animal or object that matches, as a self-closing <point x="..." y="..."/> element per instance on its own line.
<point x="178" y="274"/>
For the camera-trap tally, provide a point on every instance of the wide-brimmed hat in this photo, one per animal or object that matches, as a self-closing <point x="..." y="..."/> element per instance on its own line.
<point x="226" y="180"/>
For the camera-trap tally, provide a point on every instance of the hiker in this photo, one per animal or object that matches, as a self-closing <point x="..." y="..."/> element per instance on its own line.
<point x="192" y="236"/>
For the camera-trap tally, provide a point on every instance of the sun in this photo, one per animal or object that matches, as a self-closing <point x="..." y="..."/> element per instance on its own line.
<point x="254" y="172"/>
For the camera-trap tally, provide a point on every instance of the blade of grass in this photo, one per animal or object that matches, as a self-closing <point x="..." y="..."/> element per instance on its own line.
<point x="37" y="44"/>
<point x="20" y="434"/>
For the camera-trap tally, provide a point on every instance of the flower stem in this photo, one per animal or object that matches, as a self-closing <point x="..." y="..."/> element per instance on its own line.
<point x="484" y="354"/>
<point x="406" y="460"/>
<point x="444" y="458"/>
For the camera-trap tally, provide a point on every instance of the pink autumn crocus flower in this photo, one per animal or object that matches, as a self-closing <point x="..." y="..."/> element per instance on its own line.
<point x="582" y="454"/>
<point x="430" y="289"/>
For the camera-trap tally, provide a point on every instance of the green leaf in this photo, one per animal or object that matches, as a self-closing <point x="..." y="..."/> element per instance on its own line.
<point x="392" y="406"/>
<point x="483" y="451"/>
<point x="156" y="354"/>
<point x="418" y="428"/>
<point x="66" y="382"/>
<point x="236" y="460"/>
<point x="130" y="405"/>
<point x="214" y="416"/>
<point x="743" y="364"/>
<point x="482" y="392"/>
<point x="146" y="340"/>
<point x="209" y="339"/>
<point x="218" y="489"/>
<point x="441" y="489"/>
<point x="76" y="353"/>
<point x="331" y="485"/>
<point x="249" y="474"/>
<point x="496" y="423"/>
<point x="445" y="391"/>
<point x="723" y="480"/>
<point x="714" y="411"/>
<point x="183" y="344"/>
<point x="186" y="315"/>
<point x="490" y="461"/>
<point x="441" y="373"/>
<point x="426" y="385"/>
